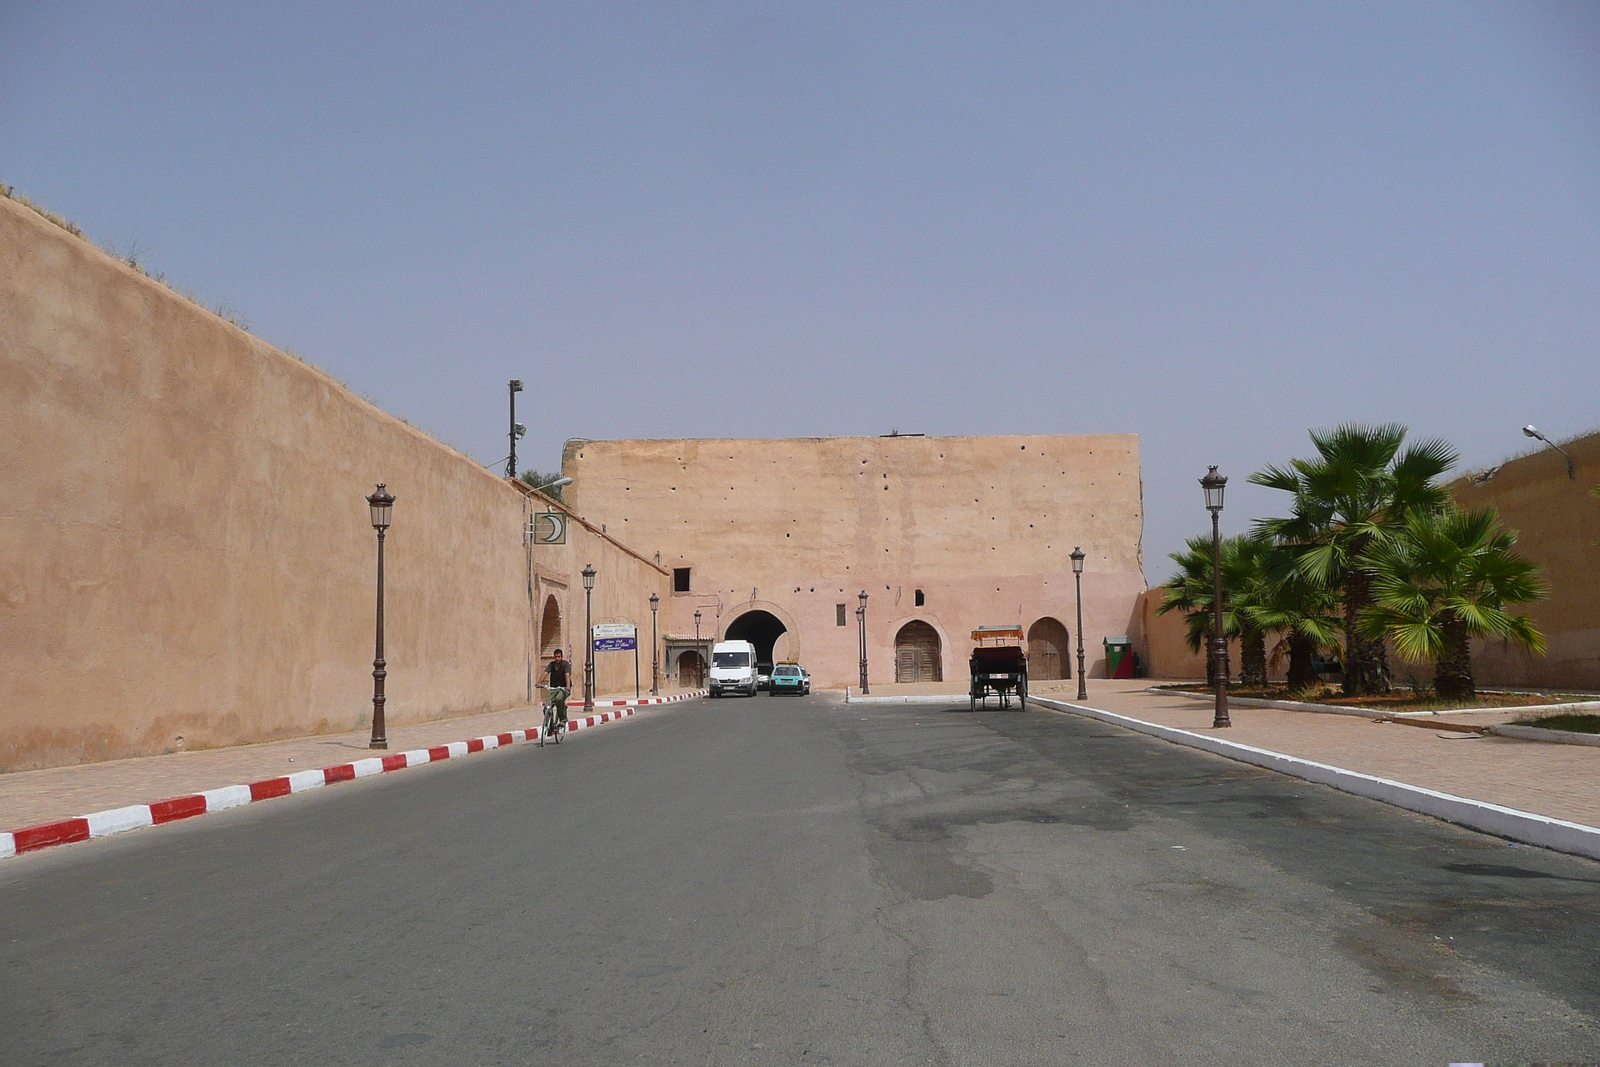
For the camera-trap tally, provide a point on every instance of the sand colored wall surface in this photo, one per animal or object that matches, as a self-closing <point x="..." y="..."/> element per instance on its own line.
<point x="186" y="558"/>
<point x="982" y="525"/>
<point x="1164" y="646"/>
<point x="1558" y="522"/>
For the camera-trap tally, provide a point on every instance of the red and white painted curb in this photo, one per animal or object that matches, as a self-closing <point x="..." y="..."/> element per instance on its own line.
<point x="651" y="700"/>
<point x="118" y="820"/>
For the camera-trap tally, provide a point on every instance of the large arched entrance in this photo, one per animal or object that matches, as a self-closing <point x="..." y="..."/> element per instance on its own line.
<point x="916" y="653"/>
<point x="691" y="670"/>
<point x="550" y="628"/>
<point x="1047" y="651"/>
<point x="760" y="628"/>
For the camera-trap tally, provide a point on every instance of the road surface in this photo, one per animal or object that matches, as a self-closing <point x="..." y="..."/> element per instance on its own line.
<point x="799" y="881"/>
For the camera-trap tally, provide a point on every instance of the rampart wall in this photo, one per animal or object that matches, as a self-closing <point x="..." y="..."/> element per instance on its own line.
<point x="1558" y="525"/>
<point x="186" y="558"/>
<point x="980" y="527"/>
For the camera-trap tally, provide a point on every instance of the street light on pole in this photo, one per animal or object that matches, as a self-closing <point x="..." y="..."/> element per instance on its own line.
<point x="1531" y="431"/>
<point x="861" y="619"/>
<point x="380" y="503"/>
<point x="517" y="429"/>
<point x="655" y="648"/>
<point x="698" y="651"/>
<point x="588" y="626"/>
<point x="1214" y="484"/>
<point x="1077" y="578"/>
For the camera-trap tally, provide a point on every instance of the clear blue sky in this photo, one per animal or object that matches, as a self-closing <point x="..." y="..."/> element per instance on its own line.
<point x="1214" y="225"/>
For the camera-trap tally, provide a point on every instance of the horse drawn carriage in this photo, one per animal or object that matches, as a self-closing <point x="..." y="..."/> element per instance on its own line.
<point x="999" y="666"/>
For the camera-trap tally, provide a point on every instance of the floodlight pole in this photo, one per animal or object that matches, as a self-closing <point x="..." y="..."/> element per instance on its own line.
<point x="515" y="387"/>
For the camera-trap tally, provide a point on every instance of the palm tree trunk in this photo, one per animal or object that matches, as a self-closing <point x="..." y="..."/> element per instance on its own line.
<point x="1253" y="659"/>
<point x="1366" y="664"/>
<point x="1452" y="675"/>
<point x="1301" y="673"/>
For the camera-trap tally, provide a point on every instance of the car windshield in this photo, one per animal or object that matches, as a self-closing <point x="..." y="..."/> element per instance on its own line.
<point x="787" y="672"/>
<point x="730" y="659"/>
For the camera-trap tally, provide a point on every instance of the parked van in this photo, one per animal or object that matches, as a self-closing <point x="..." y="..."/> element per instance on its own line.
<point x="733" y="668"/>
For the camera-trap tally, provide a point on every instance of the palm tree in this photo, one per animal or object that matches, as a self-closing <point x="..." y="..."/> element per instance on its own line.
<point x="1354" y="494"/>
<point x="1446" y="580"/>
<point x="1306" y="615"/>
<point x="1191" y="590"/>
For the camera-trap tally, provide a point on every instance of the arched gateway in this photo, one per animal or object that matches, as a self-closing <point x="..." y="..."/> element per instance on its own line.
<point x="760" y="628"/>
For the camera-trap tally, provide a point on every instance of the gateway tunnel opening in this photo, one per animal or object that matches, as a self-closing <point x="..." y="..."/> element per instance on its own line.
<point x="760" y="628"/>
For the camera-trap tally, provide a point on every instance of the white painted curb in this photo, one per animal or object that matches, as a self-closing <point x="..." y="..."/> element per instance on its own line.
<point x="1475" y="814"/>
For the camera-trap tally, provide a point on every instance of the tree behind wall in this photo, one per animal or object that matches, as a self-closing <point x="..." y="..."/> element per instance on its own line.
<point x="537" y="478"/>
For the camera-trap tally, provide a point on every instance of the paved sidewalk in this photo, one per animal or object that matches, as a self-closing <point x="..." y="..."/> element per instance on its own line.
<point x="1557" y="781"/>
<point x="28" y="798"/>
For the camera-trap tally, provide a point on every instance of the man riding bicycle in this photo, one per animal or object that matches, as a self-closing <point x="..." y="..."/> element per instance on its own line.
<point x="559" y="675"/>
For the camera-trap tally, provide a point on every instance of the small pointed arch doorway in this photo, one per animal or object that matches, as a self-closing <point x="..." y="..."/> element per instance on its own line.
<point x="1047" y="651"/>
<point x="691" y="670"/>
<point x="917" y="655"/>
<point x="550" y="628"/>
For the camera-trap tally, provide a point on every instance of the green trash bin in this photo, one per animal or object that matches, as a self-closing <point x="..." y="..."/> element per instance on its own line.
<point x="1119" y="657"/>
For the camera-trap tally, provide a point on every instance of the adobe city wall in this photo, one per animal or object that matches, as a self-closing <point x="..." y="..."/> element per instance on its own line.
<point x="1558" y="523"/>
<point x="186" y="558"/>
<point x="982" y="526"/>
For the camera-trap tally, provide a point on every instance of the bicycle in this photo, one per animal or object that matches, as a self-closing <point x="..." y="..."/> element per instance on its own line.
<point x="551" y="727"/>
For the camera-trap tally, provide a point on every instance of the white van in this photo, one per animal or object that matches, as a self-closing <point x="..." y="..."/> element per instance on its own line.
<point x="733" y="668"/>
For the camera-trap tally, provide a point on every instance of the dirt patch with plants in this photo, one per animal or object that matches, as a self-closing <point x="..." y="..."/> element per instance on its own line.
<point x="1578" y="724"/>
<point x="1409" y="700"/>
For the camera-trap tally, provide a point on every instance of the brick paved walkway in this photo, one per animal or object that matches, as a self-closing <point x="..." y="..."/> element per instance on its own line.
<point x="1559" y="781"/>
<point x="28" y="798"/>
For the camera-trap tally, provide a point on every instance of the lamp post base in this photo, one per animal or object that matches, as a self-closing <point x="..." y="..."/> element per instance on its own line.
<point x="1219" y="719"/>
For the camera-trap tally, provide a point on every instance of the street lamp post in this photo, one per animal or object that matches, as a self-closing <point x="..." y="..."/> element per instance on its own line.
<point x="1214" y="484"/>
<point x="698" y="651"/>
<point x="655" y="648"/>
<point x="1077" y="577"/>
<point x="1533" y="432"/>
<point x="861" y="619"/>
<point x="588" y="626"/>
<point x="516" y="431"/>
<point x="380" y="503"/>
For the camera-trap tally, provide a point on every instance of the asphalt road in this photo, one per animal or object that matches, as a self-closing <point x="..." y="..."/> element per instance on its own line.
<point x="795" y="881"/>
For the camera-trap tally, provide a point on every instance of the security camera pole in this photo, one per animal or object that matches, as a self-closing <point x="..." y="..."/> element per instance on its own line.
<point x="511" y="461"/>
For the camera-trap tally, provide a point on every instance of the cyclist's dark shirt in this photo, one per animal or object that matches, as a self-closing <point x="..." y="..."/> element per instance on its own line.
<point x="558" y="673"/>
